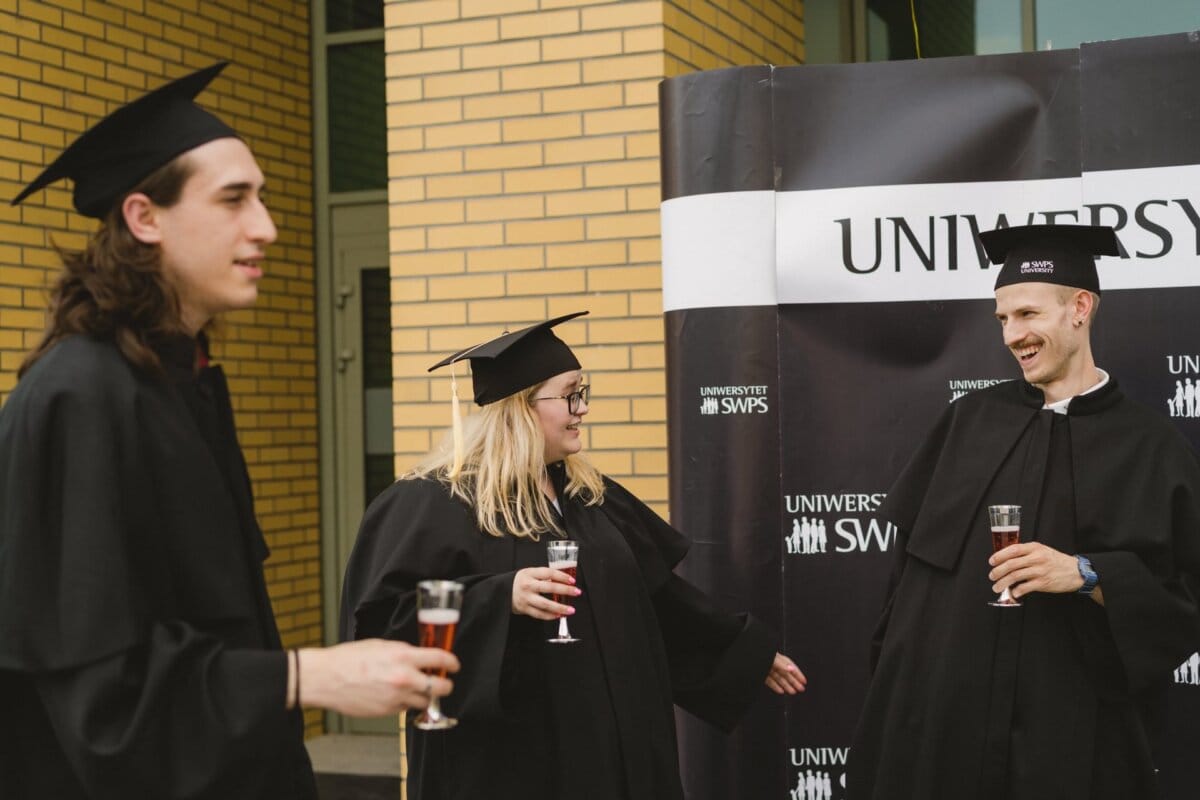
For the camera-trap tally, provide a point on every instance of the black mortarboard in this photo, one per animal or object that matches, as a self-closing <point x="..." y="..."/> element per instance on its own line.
<point x="1061" y="254"/>
<point x="515" y="361"/>
<point x="116" y="153"/>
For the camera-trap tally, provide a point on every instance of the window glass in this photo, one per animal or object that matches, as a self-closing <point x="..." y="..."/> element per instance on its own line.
<point x="1060" y="24"/>
<point x="353" y="15"/>
<point x="357" y="118"/>
<point x="945" y="27"/>
<point x="378" y="460"/>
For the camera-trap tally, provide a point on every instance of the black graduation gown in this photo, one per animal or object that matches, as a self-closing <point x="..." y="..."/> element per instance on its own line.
<point x="138" y="651"/>
<point x="586" y="721"/>
<point x="1056" y="699"/>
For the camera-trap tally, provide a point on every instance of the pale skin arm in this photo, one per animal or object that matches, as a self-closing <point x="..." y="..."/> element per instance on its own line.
<point x="1034" y="567"/>
<point x="369" y="678"/>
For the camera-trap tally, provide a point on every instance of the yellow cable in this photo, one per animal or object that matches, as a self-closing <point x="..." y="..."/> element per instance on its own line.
<point x="912" y="6"/>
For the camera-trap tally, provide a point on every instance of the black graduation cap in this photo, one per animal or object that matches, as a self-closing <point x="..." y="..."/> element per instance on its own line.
<point x="116" y="153"/>
<point x="1061" y="254"/>
<point x="515" y="361"/>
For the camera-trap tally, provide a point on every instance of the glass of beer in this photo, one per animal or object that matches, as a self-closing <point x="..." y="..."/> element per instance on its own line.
<point x="563" y="555"/>
<point x="439" y="604"/>
<point x="1006" y="530"/>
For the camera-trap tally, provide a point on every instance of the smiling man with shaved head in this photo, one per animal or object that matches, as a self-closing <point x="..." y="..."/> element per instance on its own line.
<point x="1055" y="695"/>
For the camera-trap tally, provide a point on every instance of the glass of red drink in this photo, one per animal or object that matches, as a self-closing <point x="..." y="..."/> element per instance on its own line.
<point x="1006" y="531"/>
<point x="439" y="604"/>
<point x="563" y="555"/>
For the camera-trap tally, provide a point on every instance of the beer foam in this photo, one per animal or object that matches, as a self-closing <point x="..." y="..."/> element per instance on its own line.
<point x="563" y="564"/>
<point x="438" y="616"/>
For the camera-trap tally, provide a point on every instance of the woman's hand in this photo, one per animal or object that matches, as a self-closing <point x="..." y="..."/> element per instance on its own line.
<point x="532" y="584"/>
<point x="785" y="677"/>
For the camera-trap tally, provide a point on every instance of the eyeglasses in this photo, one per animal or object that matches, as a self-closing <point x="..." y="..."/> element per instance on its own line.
<point x="574" y="399"/>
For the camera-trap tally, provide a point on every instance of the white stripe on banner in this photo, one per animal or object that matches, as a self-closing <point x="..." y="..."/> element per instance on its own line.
<point x="719" y="250"/>
<point x="876" y="244"/>
<point x="916" y="242"/>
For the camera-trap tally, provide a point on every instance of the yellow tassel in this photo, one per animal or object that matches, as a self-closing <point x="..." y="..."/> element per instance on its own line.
<point x="456" y="427"/>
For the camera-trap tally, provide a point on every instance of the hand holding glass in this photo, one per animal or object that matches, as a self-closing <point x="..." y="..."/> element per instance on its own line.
<point x="563" y="555"/>
<point x="1006" y="531"/>
<point x="439" y="604"/>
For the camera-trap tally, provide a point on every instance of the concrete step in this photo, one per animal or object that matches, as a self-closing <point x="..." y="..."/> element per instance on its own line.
<point x="356" y="767"/>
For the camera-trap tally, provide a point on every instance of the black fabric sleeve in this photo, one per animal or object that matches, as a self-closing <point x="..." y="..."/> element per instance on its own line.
<point x="1144" y="543"/>
<point x="718" y="661"/>
<point x="177" y="716"/>
<point x="656" y="546"/>
<point x="899" y="561"/>
<point x="412" y="532"/>
<point x="951" y="469"/>
<point x="71" y="587"/>
<point x="1153" y="621"/>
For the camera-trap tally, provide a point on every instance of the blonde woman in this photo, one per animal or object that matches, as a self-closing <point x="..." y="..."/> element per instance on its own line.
<point x="592" y="719"/>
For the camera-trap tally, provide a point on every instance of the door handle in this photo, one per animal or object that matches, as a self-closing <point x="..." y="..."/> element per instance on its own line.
<point x="344" y="358"/>
<point x="344" y="293"/>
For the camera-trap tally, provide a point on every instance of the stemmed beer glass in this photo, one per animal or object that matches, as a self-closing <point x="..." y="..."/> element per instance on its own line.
<point x="563" y="554"/>
<point x="439" y="604"/>
<point x="1006" y="530"/>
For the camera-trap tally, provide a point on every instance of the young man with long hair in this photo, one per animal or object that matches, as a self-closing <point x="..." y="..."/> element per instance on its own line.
<point x="139" y="655"/>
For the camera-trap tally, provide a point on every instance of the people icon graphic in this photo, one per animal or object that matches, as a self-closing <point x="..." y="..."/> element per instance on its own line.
<point x="808" y="536"/>
<point x="1175" y="404"/>
<point x="1186" y="400"/>
<point x="709" y="405"/>
<point x="1189" y="671"/>
<point x="812" y="785"/>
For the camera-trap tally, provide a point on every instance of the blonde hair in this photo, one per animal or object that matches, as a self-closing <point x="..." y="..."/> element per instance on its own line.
<point x="503" y="464"/>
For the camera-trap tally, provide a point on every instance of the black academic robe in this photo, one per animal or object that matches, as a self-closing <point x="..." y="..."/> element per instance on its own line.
<point x="1056" y="699"/>
<point x="138" y="652"/>
<point x="585" y="721"/>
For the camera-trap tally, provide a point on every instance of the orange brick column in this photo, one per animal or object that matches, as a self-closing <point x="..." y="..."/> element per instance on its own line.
<point x="524" y="183"/>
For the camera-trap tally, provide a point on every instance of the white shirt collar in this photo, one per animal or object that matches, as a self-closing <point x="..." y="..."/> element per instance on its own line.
<point x="1060" y="406"/>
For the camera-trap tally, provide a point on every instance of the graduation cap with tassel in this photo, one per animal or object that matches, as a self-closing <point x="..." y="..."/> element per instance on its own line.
<point x="503" y="366"/>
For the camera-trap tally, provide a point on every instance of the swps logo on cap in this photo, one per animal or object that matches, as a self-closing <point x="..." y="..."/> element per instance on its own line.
<point x="1037" y="267"/>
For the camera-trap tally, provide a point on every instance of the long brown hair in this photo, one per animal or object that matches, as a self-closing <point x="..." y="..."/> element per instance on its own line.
<point x="115" y="287"/>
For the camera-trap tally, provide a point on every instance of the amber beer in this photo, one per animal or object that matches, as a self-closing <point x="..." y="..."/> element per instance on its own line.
<point x="436" y="628"/>
<point x="439" y="605"/>
<point x="1004" y="536"/>
<point x="563" y="554"/>
<point x="1005" y="523"/>
<point x="568" y="567"/>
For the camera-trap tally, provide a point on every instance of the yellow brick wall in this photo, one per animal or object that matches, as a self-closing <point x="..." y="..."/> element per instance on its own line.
<point x="524" y="184"/>
<point x="709" y="34"/>
<point x="66" y="63"/>
<point x="523" y="141"/>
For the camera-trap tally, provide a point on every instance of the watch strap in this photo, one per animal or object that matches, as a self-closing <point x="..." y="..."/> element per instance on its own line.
<point x="1088" y="573"/>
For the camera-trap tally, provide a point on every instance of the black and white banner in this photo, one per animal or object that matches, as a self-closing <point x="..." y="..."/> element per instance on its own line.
<point x="826" y="298"/>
